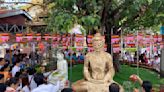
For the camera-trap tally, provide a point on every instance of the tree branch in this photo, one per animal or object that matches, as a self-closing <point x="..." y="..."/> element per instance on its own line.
<point x="123" y="6"/>
<point x="104" y="12"/>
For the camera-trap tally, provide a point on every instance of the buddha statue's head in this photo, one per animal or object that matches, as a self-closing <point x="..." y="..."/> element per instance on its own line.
<point x="60" y="55"/>
<point x="98" y="42"/>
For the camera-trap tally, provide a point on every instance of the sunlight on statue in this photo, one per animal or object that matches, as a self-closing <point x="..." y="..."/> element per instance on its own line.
<point x="98" y="69"/>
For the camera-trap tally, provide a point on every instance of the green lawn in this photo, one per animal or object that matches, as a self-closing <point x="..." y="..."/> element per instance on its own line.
<point x="123" y="75"/>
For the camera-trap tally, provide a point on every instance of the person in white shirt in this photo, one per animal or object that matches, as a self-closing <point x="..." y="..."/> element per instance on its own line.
<point x="157" y="63"/>
<point x="32" y="83"/>
<point x="15" y="69"/>
<point x="43" y="86"/>
<point x="25" y="83"/>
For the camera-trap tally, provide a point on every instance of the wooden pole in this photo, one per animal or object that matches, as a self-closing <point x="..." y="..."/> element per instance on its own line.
<point x="137" y="55"/>
<point x="10" y="56"/>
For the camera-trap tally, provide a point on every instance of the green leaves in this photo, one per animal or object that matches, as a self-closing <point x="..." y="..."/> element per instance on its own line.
<point x="90" y="20"/>
<point x="120" y="13"/>
<point x="60" y="22"/>
<point x="65" y="4"/>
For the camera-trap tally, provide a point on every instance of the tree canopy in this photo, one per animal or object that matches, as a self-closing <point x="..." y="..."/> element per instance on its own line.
<point x="93" y="14"/>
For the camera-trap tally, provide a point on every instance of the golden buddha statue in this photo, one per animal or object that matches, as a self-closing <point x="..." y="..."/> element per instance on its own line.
<point x="98" y="69"/>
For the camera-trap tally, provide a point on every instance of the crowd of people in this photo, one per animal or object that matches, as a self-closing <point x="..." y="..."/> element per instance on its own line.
<point x="144" y="58"/>
<point x="20" y="75"/>
<point x="75" y="57"/>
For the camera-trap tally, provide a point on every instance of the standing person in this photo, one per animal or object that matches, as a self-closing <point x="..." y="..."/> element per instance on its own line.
<point x="26" y="60"/>
<point x="33" y="58"/>
<point x="14" y="58"/>
<point x="2" y="85"/>
<point x="7" y="55"/>
<point x="16" y="68"/>
<point x="2" y="62"/>
<point x="32" y="83"/>
<point x="12" y="84"/>
<point x="135" y="57"/>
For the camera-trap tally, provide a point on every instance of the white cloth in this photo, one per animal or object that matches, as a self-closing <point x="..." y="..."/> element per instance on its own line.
<point x="33" y="85"/>
<point x="15" y="70"/>
<point x="19" y="87"/>
<point x="25" y="89"/>
<point x="157" y="64"/>
<point x="47" y="88"/>
<point x="158" y="61"/>
<point x="46" y="74"/>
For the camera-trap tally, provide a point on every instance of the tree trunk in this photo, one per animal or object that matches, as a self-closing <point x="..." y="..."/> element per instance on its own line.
<point x="105" y="23"/>
<point x="108" y="37"/>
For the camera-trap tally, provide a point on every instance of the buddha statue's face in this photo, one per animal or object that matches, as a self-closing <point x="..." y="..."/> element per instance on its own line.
<point x="98" y="42"/>
<point x="60" y="56"/>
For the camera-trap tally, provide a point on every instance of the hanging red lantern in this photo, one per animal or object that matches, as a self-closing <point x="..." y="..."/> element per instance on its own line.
<point x="19" y="37"/>
<point x="4" y="37"/>
<point x="29" y="37"/>
<point x="38" y="37"/>
<point x="46" y="37"/>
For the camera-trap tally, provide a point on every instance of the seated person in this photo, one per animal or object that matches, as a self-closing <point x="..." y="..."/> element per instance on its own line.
<point x="42" y="86"/>
<point x="81" y="58"/>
